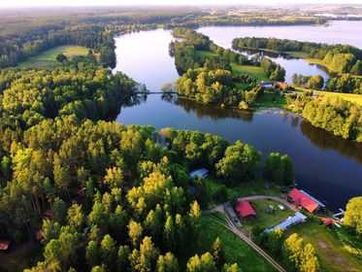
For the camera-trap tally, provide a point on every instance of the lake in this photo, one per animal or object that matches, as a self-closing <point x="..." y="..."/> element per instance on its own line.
<point x="326" y="166"/>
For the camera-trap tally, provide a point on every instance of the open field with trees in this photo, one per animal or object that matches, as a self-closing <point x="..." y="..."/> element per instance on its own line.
<point x="268" y="215"/>
<point x="235" y="250"/>
<point x="330" y="248"/>
<point x="48" y="58"/>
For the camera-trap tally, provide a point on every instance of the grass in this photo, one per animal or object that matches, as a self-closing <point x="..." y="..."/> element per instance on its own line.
<point x="321" y="63"/>
<point x="330" y="249"/>
<point x="265" y="219"/>
<point x="48" y="58"/>
<point x="270" y="100"/>
<point x="254" y="71"/>
<point x="235" y="249"/>
<point x="205" y="54"/>
<point x="354" y="98"/>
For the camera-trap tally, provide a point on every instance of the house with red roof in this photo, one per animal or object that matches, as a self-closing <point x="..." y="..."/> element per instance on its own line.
<point x="244" y="208"/>
<point x="4" y="245"/>
<point x="301" y="199"/>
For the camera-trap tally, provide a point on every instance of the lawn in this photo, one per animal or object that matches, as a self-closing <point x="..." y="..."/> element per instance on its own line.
<point x="265" y="219"/>
<point x="48" y="58"/>
<point x="354" y="98"/>
<point x="270" y="100"/>
<point x="205" y="54"/>
<point x="331" y="250"/>
<point x="254" y="71"/>
<point x="235" y="249"/>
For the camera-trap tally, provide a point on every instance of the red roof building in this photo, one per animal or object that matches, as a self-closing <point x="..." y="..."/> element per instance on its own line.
<point x="327" y="221"/>
<point x="4" y="245"/>
<point x="244" y="209"/>
<point x="303" y="200"/>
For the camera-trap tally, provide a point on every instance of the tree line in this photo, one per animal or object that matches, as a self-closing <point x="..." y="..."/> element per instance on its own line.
<point x="340" y="117"/>
<point x="339" y="58"/>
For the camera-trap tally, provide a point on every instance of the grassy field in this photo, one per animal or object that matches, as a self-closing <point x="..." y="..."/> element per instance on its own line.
<point x="270" y="100"/>
<point x="354" y="98"/>
<point x="265" y="219"/>
<point x="205" y="54"/>
<point x="48" y="58"/>
<point x="331" y="250"/>
<point x="235" y="249"/>
<point x="254" y="71"/>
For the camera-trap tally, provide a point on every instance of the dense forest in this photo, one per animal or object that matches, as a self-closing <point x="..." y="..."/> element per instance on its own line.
<point x="218" y="87"/>
<point x="338" y="116"/>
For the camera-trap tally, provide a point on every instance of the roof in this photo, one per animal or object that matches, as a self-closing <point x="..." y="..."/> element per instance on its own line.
<point x="244" y="208"/>
<point x="291" y="220"/>
<point x="327" y="221"/>
<point x="4" y="245"/>
<point x="303" y="200"/>
<point x="199" y="173"/>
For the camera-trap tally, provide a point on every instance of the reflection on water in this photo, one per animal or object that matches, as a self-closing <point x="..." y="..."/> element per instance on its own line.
<point x="201" y="111"/>
<point x="327" y="141"/>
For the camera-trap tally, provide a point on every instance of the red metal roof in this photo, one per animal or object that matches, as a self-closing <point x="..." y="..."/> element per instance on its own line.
<point x="303" y="200"/>
<point x="327" y="221"/>
<point x="4" y="245"/>
<point x="244" y="208"/>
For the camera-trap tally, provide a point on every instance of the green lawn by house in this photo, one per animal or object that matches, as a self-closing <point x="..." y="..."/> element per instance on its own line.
<point x="235" y="249"/>
<point x="251" y="70"/>
<point x="47" y="58"/>
<point x="331" y="249"/>
<point x="265" y="218"/>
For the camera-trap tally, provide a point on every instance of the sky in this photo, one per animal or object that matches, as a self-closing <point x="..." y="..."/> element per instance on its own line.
<point x="37" y="3"/>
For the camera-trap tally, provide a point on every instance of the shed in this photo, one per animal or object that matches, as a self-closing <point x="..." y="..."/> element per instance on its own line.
<point x="244" y="209"/>
<point x="303" y="200"/>
<point x="199" y="173"/>
<point x="297" y="218"/>
<point x="266" y="84"/>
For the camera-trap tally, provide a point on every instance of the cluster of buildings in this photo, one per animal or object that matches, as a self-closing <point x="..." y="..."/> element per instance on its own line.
<point x="299" y="198"/>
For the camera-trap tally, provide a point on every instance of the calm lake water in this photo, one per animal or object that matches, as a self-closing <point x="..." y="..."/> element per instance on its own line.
<point x="326" y="166"/>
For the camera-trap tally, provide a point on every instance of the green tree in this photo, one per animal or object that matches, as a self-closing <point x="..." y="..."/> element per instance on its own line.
<point x="167" y="263"/>
<point x="201" y="264"/>
<point x="353" y="215"/>
<point x="239" y="162"/>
